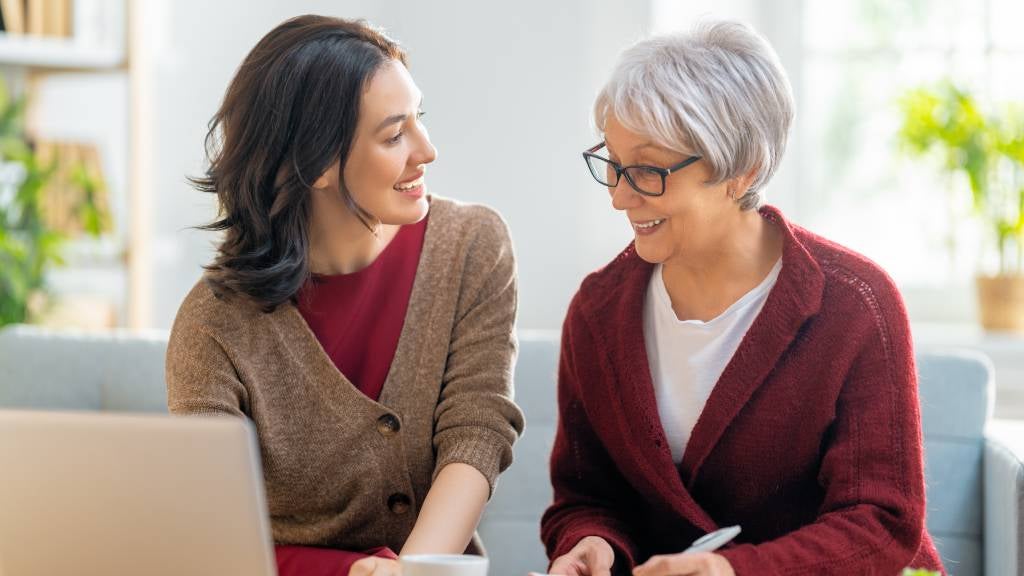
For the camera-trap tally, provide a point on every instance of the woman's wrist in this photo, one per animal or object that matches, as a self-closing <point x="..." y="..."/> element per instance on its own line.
<point x="450" y="512"/>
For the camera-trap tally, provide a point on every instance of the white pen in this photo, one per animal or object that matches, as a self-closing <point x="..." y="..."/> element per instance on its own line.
<point x="707" y="543"/>
<point x="714" y="540"/>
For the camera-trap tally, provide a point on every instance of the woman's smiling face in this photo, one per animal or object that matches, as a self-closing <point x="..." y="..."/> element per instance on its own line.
<point x="664" y="226"/>
<point x="385" y="169"/>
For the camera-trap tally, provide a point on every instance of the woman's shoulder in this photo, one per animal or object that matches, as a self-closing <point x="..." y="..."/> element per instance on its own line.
<point x="207" y="310"/>
<point x="841" y="264"/>
<point x="474" y="233"/>
<point x="623" y="278"/>
<point x="853" y="282"/>
<point x="463" y="219"/>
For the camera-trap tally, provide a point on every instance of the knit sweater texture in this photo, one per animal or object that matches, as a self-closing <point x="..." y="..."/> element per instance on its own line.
<point x="810" y="439"/>
<point x="342" y="470"/>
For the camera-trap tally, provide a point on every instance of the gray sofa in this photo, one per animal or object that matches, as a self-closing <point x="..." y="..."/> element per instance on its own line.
<point x="974" y="466"/>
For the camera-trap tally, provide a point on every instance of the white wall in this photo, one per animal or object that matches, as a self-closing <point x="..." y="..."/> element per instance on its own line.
<point x="508" y="88"/>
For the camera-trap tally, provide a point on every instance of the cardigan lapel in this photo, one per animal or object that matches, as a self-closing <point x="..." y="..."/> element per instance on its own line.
<point x="646" y="461"/>
<point x="795" y="297"/>
<point x="299" y="337"/>
<point x="618" y="310"/>
<point x="420" y="314"/>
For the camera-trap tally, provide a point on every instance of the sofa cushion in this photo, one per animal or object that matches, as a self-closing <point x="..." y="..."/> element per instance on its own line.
<point x="50" y="369"/>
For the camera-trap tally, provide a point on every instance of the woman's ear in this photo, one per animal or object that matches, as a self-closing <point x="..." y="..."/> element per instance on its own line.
<point x="739" y="185"/>
<point x="328" y="178"/>
<point x="735" y="187"/>
<point x="321" y="182"/>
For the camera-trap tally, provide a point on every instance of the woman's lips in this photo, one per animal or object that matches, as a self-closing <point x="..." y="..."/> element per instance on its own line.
<point x="647" y="226"/>
<point x="413" y="188"/>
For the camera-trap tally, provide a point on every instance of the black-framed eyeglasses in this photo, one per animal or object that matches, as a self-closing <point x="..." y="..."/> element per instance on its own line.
<point x="647" y="180"/>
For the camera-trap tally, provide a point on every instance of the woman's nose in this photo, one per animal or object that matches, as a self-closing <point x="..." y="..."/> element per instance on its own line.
<point x="623" y="196"/>
<point x="428" y="154"/>
<point x="425" y="152"/>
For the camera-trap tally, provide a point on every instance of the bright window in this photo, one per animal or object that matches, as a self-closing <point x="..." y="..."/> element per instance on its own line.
<point x="858" y="57"/>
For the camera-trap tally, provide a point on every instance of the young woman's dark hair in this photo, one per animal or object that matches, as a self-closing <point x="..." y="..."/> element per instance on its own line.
<point x="288" y="115"/>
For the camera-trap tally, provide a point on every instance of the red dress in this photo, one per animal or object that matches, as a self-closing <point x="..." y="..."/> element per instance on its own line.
<point x="357" y="318"/>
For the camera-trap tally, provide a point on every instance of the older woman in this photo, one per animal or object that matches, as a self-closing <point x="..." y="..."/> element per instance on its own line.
<point x="728" y="367"/>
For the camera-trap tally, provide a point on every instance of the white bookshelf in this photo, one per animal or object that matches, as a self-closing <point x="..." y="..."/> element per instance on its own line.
<point x="57" y="53"/>
<point x="62" y="77"/>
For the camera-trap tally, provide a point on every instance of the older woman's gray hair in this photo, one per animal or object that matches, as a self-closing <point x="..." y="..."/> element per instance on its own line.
<point x="718" y="92"/>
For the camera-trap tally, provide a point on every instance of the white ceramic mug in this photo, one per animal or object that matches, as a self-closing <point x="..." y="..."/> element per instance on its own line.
<point x="443" y="565"/>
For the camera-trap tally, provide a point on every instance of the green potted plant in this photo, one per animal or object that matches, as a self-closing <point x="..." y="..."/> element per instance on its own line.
<point x="28" y="245"/>
<point x="985" y="154"/>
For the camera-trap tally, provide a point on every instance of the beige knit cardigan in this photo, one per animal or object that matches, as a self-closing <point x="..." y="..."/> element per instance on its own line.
<point x="342" y="470"/>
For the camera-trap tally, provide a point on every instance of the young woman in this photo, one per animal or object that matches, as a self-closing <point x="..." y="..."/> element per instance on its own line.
<point x="729" y="367"/>
<point x="362" y="325"/>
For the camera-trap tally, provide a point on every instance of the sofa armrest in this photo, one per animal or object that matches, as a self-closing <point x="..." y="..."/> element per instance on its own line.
<point x="1004" y="497"/>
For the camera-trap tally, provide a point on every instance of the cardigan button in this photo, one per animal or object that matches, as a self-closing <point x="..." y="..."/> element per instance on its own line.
<point x="388" y="425"/>
<point x="399" y="503"/>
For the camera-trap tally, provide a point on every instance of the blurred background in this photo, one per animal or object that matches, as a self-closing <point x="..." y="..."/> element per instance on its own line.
<point x="908" y="144"/>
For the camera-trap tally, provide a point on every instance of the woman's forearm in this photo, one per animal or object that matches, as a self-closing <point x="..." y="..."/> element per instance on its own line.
<point x="450" y="512"/>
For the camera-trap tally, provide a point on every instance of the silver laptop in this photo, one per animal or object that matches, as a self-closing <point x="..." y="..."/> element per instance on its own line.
<point x="111" y="494"/>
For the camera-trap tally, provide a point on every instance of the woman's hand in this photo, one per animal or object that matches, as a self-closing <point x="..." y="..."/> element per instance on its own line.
<point x="690" y="564"/>
<point x="592" y="556"/>
<point x="375" y="566"/>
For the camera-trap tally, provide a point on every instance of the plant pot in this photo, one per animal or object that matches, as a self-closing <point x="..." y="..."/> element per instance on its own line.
<point x="1001" y="302"/>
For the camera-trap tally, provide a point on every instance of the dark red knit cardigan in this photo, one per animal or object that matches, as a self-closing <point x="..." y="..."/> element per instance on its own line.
<point x="810" y="440"/>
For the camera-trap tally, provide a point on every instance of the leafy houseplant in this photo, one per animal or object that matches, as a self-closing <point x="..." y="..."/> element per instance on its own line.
<point x="28" y="245"/>
<point x="988" y="150"/>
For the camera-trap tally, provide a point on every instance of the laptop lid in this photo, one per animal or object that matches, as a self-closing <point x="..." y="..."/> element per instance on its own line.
<point x="109" y="494"/>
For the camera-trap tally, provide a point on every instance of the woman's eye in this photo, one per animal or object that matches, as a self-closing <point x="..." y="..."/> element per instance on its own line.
<point x="646" y="174"/>
<point x="398" y="137"/>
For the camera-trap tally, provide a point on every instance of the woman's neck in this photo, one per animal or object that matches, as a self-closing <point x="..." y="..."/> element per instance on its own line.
<point x="703" y="282"/>
<point x="345" y="245"/>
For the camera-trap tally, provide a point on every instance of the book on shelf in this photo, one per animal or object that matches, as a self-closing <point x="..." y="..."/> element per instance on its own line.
<point x="13" y="14"/>
<point x="51" y="18"/>
<point x="35" y="14"/>
<point x="48" y="18"/>
<point x="86" y="23"/>
<point x="75" y="196"/>
<point x="58" y="19"/>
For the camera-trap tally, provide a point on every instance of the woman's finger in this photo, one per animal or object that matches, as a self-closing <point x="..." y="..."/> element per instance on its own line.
<point x="384" y="567"/>
<point x="691" y="564"/>
<point x="360" y="568"/>
<point x="564" y="566"/>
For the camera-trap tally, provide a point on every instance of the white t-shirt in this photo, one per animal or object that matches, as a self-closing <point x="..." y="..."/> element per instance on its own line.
<point x="687" y="357"/>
